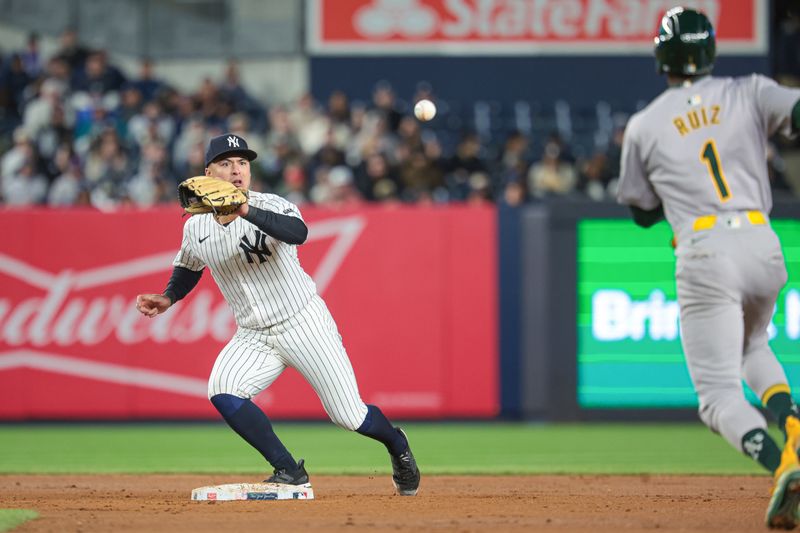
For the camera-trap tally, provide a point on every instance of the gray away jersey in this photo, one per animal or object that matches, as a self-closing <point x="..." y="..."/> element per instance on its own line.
<point x="260" y="277"/>
<point x="701" y="148"/>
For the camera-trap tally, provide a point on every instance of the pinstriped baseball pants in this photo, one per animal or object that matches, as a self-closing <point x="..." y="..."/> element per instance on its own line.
<point x="308" y="342"/>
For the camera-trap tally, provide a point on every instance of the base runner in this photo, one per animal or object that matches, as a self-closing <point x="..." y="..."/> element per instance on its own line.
<point x="697" y="157"/>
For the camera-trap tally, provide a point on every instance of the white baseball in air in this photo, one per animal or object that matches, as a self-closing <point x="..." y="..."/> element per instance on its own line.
<point x="425" y="110"/>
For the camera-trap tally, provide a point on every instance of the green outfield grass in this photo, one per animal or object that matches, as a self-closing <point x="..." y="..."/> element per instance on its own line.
<point x="11" y="518"/>
<point x="471" y="448"/>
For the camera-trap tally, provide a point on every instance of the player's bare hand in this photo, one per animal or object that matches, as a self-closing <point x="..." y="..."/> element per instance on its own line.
<point x="151" y="305"/>
<point x="242" y="209"/>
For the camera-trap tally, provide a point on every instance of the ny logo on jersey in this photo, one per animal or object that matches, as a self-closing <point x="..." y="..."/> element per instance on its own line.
<point x="233" y="142"/>
<point x="258" y="248"/>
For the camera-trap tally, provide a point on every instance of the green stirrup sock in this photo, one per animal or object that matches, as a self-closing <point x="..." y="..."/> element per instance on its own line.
<point x="781" y="405"/>
<point x="760" y="446"/>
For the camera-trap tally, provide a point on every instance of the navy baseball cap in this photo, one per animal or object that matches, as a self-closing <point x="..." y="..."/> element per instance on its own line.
<point x="228" y="143"/>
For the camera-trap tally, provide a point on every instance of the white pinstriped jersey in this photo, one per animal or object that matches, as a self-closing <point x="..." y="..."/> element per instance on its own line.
<point x="260" y="277"/>
<point x="282" y="321"/>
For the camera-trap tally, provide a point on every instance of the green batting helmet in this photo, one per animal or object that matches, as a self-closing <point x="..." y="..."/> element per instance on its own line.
<point x="685" y="43"/>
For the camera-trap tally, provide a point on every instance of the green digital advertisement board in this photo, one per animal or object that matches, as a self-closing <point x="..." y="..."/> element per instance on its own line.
<point x="629" y="350"/>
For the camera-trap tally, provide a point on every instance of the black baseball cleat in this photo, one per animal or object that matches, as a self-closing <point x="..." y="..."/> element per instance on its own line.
<point x="290" y="477"/>
<point x="405" y="474"/>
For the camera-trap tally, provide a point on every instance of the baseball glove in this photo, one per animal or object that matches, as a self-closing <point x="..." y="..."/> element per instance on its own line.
<point x="204" y="194"/>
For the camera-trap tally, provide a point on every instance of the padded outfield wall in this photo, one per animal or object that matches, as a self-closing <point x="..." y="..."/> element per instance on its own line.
<point x="555" y="311"/>
<point x="413" y="291"/>
<point x="589" y="316"/>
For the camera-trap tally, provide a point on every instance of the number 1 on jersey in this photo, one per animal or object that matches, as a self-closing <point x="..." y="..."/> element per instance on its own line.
<point x="710" y="156"/>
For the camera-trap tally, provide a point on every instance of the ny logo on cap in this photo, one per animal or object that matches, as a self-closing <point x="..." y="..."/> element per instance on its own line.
<point x="233" y="142"/>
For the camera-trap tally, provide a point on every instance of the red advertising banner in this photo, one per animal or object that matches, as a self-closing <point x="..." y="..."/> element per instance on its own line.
<point x="519" y="27"/>
<point x="413" y="291"/>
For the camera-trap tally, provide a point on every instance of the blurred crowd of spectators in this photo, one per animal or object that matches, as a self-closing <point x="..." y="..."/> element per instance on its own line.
<point x="74" y="130"/>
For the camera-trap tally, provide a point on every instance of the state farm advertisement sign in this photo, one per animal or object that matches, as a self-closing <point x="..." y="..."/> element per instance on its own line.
<point x="519" y="27"/>
<point x="413" y="291"/>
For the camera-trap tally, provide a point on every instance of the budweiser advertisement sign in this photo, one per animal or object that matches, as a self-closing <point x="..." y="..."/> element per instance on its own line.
<point x="519" y="27"/>
<point x="413" y="292"/>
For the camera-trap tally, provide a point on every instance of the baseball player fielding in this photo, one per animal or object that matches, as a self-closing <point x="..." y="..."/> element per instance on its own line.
<point x="250" y="249"/>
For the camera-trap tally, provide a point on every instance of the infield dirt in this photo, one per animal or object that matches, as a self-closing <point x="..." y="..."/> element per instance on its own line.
<point x="90" y="503"/>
